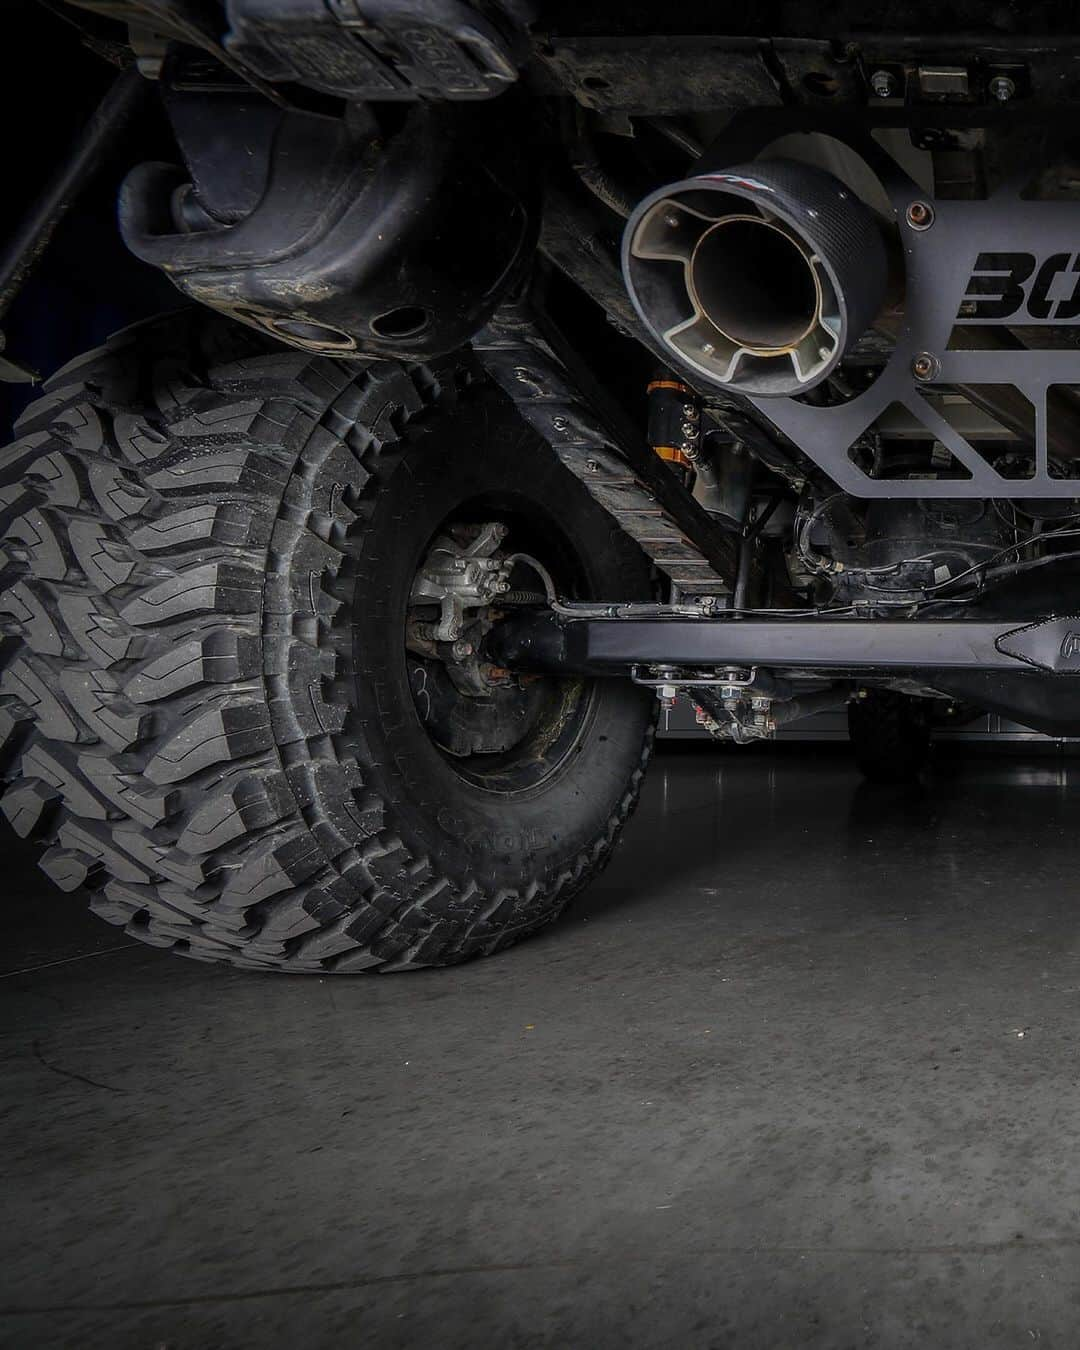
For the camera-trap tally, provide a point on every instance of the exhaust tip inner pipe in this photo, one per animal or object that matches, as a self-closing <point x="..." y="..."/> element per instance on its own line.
<point x="754" y="282"/>
<point x="758" y="277"/>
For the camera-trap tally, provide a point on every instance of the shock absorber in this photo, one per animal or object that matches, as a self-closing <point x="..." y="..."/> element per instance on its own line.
<point x="719" y="470"/>
<point x="674" y="422"/>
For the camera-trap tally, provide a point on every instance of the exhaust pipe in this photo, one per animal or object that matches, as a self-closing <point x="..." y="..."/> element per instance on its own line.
<point x="758" y="278"/>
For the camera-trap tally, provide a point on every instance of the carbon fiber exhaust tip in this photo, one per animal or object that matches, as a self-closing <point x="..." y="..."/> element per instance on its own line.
<point x="757" y="278"/>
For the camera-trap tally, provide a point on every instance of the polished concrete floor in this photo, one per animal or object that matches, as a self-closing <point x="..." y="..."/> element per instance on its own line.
<point x="803" y="1070"/>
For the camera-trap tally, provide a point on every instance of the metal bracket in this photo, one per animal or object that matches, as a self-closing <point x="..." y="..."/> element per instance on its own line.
<point x="712" y="681"/>
<point x="939" y="260"/>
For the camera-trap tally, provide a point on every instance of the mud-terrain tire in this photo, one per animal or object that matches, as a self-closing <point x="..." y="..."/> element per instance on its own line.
<point x="206" y="711"/>
<point x="890" y="735"/>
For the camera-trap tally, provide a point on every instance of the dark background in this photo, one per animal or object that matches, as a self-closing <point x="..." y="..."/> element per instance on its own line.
<point x="87" y="285"/>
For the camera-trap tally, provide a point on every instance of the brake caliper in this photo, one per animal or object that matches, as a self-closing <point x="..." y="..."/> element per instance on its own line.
<point x="462" y="575"/>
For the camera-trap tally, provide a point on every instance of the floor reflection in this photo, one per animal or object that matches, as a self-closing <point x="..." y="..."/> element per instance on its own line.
<point x="805" y="830"/>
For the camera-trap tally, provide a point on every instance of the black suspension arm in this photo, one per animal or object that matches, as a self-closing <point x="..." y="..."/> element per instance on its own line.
<point x="561" y="644"/>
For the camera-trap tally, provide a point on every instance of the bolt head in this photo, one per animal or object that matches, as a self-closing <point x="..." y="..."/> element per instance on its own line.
<point x="707" y="349"/>
<point x="671" y="220"/>
<point x="1002" y="88"/>
<point x="920" y="215"/>
<point x="925" y="366"/>
<point x="883" y="84"/>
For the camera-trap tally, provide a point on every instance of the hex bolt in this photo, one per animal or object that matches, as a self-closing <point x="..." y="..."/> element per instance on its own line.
<point x="925" y="366"/>
<point x="707" y="349"/>
<point x="690" y="412"/>
<point x="920" y="215"/>
<point x="1002" y="88"/>
<point x="460" y="650"/>
<point x="591" y="466"/>
<point x="689" y="430"/>
<point x="883" y="84"/>
<point x="671" y="220"/>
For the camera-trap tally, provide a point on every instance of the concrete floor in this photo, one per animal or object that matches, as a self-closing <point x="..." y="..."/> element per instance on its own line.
<point x="801" y="1071"/>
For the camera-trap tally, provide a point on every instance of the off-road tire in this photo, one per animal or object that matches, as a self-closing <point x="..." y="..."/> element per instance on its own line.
<point x="202" y="714"/>
<point x="890" y="735"/>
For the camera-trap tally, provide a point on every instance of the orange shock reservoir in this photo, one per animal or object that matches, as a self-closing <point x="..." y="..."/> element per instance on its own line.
<point x="674" y="421"/>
